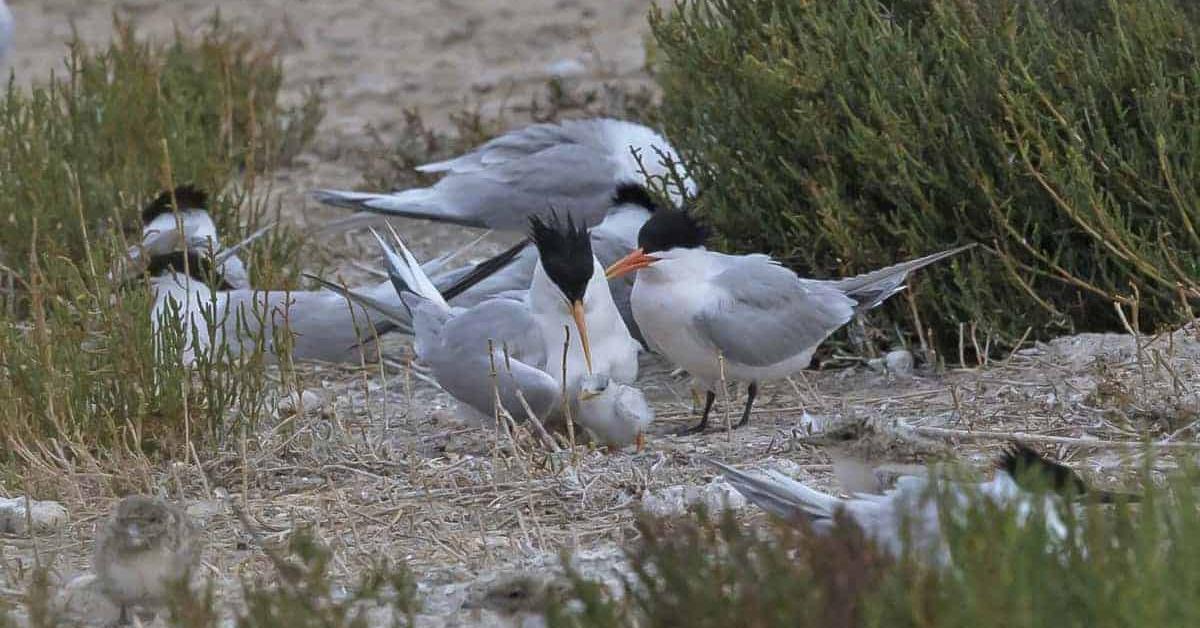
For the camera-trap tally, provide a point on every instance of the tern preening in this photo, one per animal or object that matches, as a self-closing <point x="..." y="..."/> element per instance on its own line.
<point x="566" y="307"/>
<point x="1020" y="481"/>
<point x="587" y="168"/>
<point x="742" y="318"/>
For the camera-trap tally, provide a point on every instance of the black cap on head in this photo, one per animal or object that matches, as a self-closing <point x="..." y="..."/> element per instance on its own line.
<point x="634" y="194"/>
<point x="197" y="265"/>
<point x="565" y="252"/>
<point x="188" y="196"/>
<point x="671" y="228"/>
<point x="1023" y="463"/>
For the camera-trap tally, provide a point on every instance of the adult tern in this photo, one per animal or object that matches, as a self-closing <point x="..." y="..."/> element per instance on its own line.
<point x="527" y="332"/>
<point x="226" y="322"/>
<point x="576" y="166"/>
<point x="741" y="318"/>
<point x="161" y="231"/>
<point x="1022" y="479"/>
<point x="588" y="168"/>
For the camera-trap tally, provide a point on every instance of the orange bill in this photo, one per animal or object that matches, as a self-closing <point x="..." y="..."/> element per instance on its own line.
<point x="581" y="325"/>
<point x="637" y="259"/>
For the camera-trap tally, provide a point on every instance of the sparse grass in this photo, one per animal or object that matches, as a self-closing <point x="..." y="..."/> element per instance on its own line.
<point x="80" y="379"/>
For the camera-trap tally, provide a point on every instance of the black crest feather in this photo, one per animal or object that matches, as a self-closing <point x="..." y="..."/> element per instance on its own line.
<point x="634" y="194"/>
<point x="565" y="250"/>
<point x="672" y="228"/>
<point x="1033" y="470"/>
<point x="188" y="196"/>
<point x="197" y="265"/>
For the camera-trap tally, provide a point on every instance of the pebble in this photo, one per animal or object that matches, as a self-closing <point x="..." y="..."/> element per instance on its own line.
<point x="899" y="363"/>
<point x="46" y="516"/>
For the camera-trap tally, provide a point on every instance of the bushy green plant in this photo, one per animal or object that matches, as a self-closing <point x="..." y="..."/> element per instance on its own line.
<point x="80" y="154"/>
<point x="846" y="135"/>
<point x="80" y="372"/>
<point x="1119" y="566"/>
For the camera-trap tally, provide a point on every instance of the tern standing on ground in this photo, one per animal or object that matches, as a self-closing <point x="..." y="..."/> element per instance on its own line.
<point x="741" y="318"/>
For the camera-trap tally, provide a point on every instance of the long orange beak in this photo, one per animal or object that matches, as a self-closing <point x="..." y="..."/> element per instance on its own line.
<point x="637" y="259"/>
<point x="581" y="325"/>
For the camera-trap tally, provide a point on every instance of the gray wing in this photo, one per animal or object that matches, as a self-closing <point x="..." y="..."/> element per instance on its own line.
<point x="512" y="147"/>
<point x="569" y="177"/>
<point x="762" y="313"/>
<point x="462" y="366"/>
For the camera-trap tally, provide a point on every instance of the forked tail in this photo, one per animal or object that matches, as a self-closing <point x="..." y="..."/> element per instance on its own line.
<point x="871" y="289"/>
<point x="780" y="495"/>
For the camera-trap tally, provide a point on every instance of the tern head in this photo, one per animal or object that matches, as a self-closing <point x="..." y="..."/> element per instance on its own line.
<point x="195" y="264"/>
<point x="565" y="253"/>
<point x="142" y="522"/>
<point x="185" y="197"/>
<point x="666" y="231"/>
<point x="1032" y="471"/>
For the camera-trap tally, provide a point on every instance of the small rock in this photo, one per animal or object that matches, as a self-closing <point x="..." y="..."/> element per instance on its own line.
<point x="675" y="501"/>
<point x="899" y="363"/>
<point x="203" y="511"/>
<point x="565" y="68"/>
<point x="46" y="516"/>
<point x="719" y="495"/>
<point x="306" y="401"/>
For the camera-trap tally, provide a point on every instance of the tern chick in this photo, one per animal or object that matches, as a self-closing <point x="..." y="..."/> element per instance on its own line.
<point x="144" y="549"/>
<point x="616" y="413"/>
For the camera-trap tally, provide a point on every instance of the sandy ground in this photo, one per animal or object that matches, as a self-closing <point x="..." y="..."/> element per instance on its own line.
<point x="381" y="468"/>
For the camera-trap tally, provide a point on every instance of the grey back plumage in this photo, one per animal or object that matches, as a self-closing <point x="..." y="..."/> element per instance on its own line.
<point x="763" y="314"/>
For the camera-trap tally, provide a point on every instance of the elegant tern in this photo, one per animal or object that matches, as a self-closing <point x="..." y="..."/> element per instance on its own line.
<point x="575" y="166"/>
<point x="741" y="318"/>
<point x="161" y="231"/>
<point x="1022" y="479"/>
<point x="527" y="332"/>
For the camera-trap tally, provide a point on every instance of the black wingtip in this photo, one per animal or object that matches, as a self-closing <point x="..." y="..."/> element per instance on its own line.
<point x="1032" y="470"/>
<point x="484" y="269"/>
<point x="188" y="196"/>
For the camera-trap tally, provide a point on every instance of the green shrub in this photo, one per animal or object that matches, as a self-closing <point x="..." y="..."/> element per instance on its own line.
<point x="1121" y="566"/>
<point x="845" y="135"/>
<point x="82" y="153"/>
<point x="80" y="374"/>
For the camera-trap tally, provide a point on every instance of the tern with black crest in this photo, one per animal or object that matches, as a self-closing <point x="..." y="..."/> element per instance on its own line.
<point x="567" y="307"/>
<point x="908" y="516"/>
<point x="742" y="318"/>
<point x="588" y="169"/>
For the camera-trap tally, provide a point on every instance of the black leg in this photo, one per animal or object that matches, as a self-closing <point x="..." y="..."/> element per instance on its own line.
<point x="751" y="393"/>
<point x="709" y="398"/>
